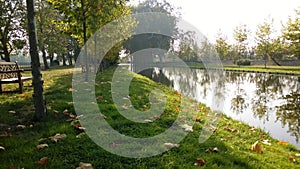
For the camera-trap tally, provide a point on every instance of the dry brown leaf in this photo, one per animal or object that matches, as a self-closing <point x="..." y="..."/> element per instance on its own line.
<point x="266" y="142"/>
<point x="256" y="147"/>
<point x="84" y="166"/>
<point x="216" y="150"/>
<point x="292" y="159"/>
<point x="80" y="135"/>
<point x="171" y="145"/>
<point x="283" y="143"/>
<point x="55" y="112"/>
<point x="199" y="162"/>
<point x="12" y="112"/>
<point x="43" y="161"/>
<point x="42" y="146"/>
<point x="187" y="128"/>
<point x="42" y="139"/>
<point x="66" y="112"/>
<point x="12" y="167"/>
<point x="2" y="148"/>
<point x="21" y="126"/>
<point x="57" y="137"/>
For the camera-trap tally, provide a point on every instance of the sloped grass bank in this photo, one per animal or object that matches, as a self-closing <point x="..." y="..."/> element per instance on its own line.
<point x="228" y="147"/>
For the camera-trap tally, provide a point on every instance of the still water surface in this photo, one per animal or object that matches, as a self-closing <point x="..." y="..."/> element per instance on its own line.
<point x="270" y="102"/>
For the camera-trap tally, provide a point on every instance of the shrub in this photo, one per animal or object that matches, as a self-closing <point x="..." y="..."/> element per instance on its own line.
<point x="243" y="62"/>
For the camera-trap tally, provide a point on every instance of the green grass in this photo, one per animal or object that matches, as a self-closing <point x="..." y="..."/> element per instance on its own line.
<point x="255" y="68"/>
<point x="233" y="138"/>
<point x="274" y="69"/>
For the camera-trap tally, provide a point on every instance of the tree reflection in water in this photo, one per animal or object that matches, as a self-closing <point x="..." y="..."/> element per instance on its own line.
<point x="262" y="95"/>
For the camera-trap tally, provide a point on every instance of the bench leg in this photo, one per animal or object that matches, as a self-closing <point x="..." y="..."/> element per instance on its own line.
<point x="0" y="87"/>
<point x="21" y="87"/>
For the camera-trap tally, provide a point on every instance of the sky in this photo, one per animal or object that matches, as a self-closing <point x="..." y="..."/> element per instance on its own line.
<point x="210" y="16"/>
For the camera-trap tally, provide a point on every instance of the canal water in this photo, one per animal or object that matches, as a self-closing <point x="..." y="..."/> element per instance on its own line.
<point x="269" y="102"/>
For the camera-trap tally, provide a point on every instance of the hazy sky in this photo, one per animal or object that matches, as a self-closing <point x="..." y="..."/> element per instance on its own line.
<point x="211" y="15"/>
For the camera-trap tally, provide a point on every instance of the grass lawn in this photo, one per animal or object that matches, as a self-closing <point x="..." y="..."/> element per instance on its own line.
<point x="275" y="69"/>
<point x="19" y="136"/>
<point x="256" y="68"/>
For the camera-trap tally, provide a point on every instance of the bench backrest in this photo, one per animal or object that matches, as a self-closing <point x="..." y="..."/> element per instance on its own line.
<point x="8" y="66"/>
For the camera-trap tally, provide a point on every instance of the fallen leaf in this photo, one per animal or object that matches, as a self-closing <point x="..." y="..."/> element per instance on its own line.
<point x="283" y="143"/>
<point x="148" y="121"/>
<point x="171" y="145"/>
<point x="72" y="116"/>
<point x="199" y="162"/>
<point x="42" y="146"/>
<point x="57" y="137"/>
<point x="42" y="139"/>
<point x="24" y="95"/>
<point x="70" y="90"/>
<point x="21" y="126"/>
<point x="2" y="148"/>
<point x="187" y="128"/>
<point x="292" y="159"/>
<point x="177" y="93"/>
<point x="79" y="127"/>
<point x="12" y="112"/>
<point x="12" y="167"/>
<point x="84" y="166"/>
<point x="266" y="142"/>
<point x="55" y="112"/>
<point x="216" y="150"/>
<point x="177" y="108"/>
<point x="208" y="150"/>
<point x="256" y="147"/>
<point x="252" y="129"/>
<point x="43" y="161"/>
<point x="66" y="112"/>
<point x="80" y="135"/>
<point x="196" y="118"/>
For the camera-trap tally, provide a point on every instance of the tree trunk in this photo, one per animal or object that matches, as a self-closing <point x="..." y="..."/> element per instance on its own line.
<point x="275" y="61"/>
<point x="51" y="59"/>
<point x="64" y="60"/>
<point x="70" y="59"/>
<point x="46" y="66"/>
<point x="37" y="82"/>
<point x="6" y="53"/>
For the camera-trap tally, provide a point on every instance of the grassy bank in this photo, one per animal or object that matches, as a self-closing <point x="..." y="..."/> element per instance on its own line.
<point x="228" y="147"/>
<point x="290" y="70"/>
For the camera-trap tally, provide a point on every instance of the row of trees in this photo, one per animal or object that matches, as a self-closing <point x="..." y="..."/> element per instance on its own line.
<point x="63" y="26"/>
<point x="268" y="46"/>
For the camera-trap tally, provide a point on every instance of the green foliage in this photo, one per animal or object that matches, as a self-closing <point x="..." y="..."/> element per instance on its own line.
<point x="241" y="33"/>
<point x="243" y="62"/>
<point x="12" y="27"/>
<point x="222" y="47"/>
<point x="151" y="40"/>
<point x="291" y="32"/>
<point x="82" y="18"/>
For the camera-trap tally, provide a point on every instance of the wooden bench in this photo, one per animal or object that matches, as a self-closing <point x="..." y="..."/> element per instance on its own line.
<point x="10" y="73"/>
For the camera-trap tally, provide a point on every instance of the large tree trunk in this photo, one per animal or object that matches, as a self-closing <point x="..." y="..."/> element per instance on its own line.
<point x="6" y="53"/>
<point x="37" y="82"/>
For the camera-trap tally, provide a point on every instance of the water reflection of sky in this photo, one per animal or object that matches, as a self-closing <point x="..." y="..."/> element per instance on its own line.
<point x="248" y="97"/>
